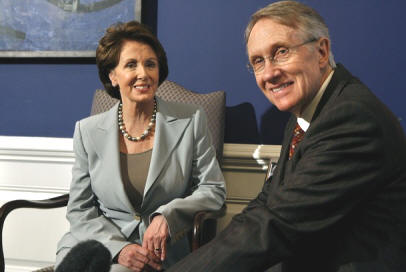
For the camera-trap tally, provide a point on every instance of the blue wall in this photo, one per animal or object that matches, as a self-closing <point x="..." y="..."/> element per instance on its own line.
<point x="45" y="99"/>
<point x="205" y="48"/>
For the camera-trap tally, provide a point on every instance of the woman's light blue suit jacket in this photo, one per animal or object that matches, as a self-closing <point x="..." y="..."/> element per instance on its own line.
<point x="184" y="177"/>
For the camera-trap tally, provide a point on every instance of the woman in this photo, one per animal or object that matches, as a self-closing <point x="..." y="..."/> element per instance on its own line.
<point x="144" y="167"/>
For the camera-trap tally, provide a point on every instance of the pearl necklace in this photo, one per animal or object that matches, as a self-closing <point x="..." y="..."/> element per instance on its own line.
<point x="146" y="131"/>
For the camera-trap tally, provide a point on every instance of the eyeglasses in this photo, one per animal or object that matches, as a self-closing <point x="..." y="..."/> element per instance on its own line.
<point x="280" y="56"/>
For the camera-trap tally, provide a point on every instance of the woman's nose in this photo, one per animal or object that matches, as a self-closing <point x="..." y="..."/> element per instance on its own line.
<point x="141" y="72"/>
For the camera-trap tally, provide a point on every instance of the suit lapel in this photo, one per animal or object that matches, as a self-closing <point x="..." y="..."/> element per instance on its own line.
<point x="283" y="157"/>
<point x="108" y="149"/>
<point x="337" y="83"/>
<point x="168" y="131"/>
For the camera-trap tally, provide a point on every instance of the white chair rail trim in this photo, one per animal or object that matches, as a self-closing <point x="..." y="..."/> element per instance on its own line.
<point x="43" y="165"/>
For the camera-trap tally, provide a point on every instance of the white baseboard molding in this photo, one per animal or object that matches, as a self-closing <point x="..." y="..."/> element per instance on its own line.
<point x="24" y="266"/>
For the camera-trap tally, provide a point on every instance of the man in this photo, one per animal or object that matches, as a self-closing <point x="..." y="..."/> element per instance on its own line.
<point x="337" y="198"/>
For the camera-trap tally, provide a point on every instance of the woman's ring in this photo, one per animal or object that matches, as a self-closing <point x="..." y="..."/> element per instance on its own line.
<point x="157" y="249"/>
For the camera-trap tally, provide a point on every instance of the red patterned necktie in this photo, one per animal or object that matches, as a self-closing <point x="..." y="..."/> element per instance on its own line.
<point x="298" y="134"/>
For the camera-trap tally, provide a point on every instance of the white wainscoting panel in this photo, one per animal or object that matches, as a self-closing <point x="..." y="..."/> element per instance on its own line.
<point x="35" y="164"/>
<point x="33" y="168"/>
<point x="40" y="168"/>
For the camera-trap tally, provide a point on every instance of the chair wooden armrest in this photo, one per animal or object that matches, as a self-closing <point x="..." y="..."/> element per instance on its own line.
<point x="204" y="226"/>
<point x="55" y="202"/>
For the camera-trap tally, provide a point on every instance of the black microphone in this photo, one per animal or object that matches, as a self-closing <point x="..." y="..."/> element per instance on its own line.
<point x="86" y="256"/>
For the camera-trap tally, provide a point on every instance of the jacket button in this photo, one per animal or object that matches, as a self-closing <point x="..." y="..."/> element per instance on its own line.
<point x="137" y="217"/>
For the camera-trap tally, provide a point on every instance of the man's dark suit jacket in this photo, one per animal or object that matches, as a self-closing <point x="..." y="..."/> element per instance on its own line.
<point x="338" y="205"/>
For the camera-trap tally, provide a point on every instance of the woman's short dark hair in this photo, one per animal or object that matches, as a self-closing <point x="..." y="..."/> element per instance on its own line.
<point x="110" y="45"/>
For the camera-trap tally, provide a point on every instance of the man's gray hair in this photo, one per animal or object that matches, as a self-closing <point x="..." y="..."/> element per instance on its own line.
<point x="297" y="16"/>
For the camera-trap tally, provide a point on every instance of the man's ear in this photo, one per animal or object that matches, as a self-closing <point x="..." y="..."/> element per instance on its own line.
<point x="323" y="48"/>
<point x="112" y="76"/>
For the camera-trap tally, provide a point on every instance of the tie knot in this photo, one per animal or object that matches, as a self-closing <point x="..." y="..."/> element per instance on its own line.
<point x="298" y="134"/>
<point x="298" y="131"/>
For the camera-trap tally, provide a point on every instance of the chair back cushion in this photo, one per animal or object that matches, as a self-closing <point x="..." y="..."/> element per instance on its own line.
<point x="213" y="104"/>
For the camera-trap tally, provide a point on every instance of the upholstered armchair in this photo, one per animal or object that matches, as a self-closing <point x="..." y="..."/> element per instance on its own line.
<point x="204" y="225"/>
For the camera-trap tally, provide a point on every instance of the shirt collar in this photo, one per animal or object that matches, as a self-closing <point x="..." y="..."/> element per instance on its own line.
<point x="304" y="120"/>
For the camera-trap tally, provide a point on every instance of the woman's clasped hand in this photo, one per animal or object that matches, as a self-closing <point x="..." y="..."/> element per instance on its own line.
<point x="138" y="258"/>
<point x="153" y="249"/>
